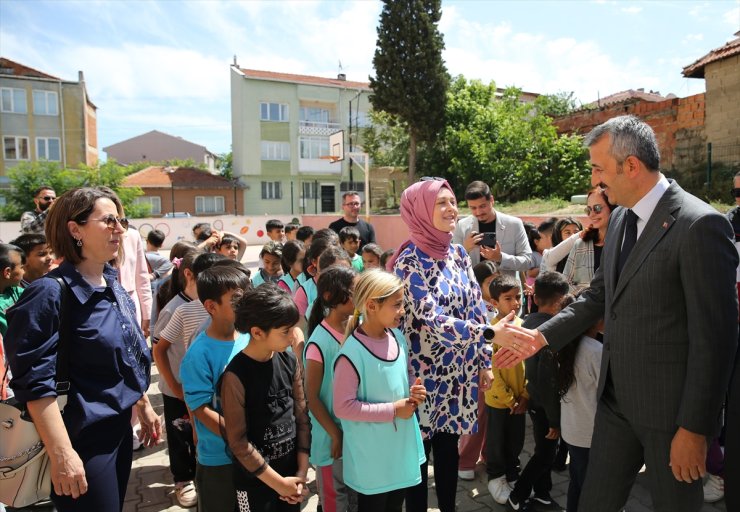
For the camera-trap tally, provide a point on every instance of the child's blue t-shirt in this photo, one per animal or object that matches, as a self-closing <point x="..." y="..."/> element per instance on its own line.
<point x="200" y="371"/>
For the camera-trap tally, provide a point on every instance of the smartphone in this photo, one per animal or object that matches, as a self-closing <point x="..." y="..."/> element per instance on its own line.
<point x="489" y="240"/>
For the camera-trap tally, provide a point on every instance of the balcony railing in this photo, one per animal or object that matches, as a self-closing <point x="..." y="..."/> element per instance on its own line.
<point x="317" y="128"/>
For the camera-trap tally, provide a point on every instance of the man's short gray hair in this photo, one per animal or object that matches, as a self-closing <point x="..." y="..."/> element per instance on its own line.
<point x="629" y="137"/>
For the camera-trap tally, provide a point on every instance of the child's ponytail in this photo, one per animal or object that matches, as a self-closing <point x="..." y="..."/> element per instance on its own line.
<point x="334" y="288"/>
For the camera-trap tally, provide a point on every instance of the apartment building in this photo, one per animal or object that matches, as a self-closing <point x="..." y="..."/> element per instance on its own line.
<point x="43" y="117"/>
<point x="281" y="125"/>
<point x="156" y="146"/>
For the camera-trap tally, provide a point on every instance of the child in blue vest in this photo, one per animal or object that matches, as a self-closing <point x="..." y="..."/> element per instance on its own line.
<point x="271" y="271"/>
<point x="382" y="446"/>
<point x="326" y="327"/>
<point x="292" y="263"/>
<point x="265" y="414"/>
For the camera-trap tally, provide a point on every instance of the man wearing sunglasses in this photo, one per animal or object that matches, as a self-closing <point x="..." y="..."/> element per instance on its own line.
<point x="33" y="221"/>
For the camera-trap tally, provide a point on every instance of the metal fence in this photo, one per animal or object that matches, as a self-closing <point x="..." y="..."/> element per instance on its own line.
<point x="707" y="169"/>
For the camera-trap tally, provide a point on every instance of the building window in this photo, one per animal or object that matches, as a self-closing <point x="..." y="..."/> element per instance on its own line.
<point x="13" y="100"/>
<point x="209" y="204"/>
<point x="155" y="203"/>
<point x="310" y="189"/>
<point x="45" y="103"/>
<point x="275" y="150"/>
<point x="271" y="190"/>
<point x="310" y="115"/>
<point x="314" y="147"/>
<point x="48" y="148"/>
<point x="274" y="112"/>
<point x="15" y="148"/>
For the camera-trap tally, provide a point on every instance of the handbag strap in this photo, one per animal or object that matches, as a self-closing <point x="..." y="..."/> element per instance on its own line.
<point x="62" y="386"/>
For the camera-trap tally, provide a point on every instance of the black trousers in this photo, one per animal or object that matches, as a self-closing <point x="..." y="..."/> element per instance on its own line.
<point x="732" y="442"/>
<point x="106" y="450"/>
<point x="618" y="451"/>
<point x="577" y="470"/>
<point x="391" y="501"/>
<point x="504" y="443"/>
<point x="536" y="474"/>
<point x="180" y="445"/>
<point x="446" y="458"/>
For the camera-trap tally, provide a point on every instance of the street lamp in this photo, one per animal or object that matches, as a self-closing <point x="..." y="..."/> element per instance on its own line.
<point x="171" y="172"/>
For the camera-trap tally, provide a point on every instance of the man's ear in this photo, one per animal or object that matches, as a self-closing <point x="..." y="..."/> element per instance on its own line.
<point x="632" y="165"/>
<point x="6" y="272"/>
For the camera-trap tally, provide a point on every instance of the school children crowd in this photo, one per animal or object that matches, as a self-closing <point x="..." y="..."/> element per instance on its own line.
<point x="359" y="362"/>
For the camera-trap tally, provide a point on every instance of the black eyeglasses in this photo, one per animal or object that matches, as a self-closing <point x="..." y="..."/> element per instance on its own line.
<point x="432" y="178"/>
<point x="111" y="221"/>
<point x="356" y="203"/>
<point x="48" y="198"/>
<point x="735" y="192"/>
<point x="597" y="208"/>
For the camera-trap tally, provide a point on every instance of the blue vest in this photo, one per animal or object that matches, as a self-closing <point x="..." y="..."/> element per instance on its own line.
<point x="381" y="457"/>
<point x="309" y="286"/>
<point x="257" y="278"/>
<point x="329" y="346"/>
<point x="292" y="283"/>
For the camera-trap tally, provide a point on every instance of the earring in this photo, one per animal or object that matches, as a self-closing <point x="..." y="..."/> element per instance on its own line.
<point x="79" y="242"/>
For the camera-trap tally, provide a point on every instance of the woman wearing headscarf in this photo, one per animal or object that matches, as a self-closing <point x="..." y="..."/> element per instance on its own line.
<point x="445" y="325"/>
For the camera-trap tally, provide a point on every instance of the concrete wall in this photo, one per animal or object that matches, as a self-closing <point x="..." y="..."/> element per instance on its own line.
<point x="185" y="198"/>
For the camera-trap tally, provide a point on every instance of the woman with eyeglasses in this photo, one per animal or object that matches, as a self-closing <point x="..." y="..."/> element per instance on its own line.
<point x="90" y="446"/>
<point x="448" y="336"/>
<point x="585" y="256"/>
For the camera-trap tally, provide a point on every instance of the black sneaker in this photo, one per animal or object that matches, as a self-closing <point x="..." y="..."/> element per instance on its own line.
<point x="513" y="506"/>
<point x="545" y="504"/>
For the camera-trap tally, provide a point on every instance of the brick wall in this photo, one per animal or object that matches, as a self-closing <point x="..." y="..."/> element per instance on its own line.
<point x="723" y="101"/>
<point x="678" y="124"/>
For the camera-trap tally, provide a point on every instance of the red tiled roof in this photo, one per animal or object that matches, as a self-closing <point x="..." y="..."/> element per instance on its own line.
<point x="17" y="69"/>
<point x="156" y="176"/>
<point x="303" y="79"/>
<point x="629" y="94"/>
<point x="696" y="70"/>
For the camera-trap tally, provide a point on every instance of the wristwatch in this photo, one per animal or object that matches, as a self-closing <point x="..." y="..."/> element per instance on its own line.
<point x="489" y="333"/>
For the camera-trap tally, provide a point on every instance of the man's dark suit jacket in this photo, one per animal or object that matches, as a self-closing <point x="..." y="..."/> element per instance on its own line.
<point x="671" y="319"/>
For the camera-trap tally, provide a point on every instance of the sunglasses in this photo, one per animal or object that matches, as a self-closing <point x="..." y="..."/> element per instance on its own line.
<point x="735" y="192"/>
<point x="111" y="221"/>
<point x="431" y="178"/>
<point x="48" y="198"/>
<point x="597" y="208"/>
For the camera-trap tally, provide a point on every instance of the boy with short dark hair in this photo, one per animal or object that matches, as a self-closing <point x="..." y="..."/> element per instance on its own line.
<point x="201" y="369"/>
<point x="275" y="230"/>
<point x="39" y="258"/>
<point x="506" y="401"/>
<point x="291" y="230"/>
<point x="349" y="239"/>
<point x="159" y="266"/>
<point x="12" y="259"/>
<point x="305" y="234"/>
<point x="544" y="402"/>
<point x="271" y="270"/>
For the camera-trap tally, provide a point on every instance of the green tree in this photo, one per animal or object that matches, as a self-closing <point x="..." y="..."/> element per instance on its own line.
<point x="225" y="164"/>
<point x="555" y="105"/>
<point x="512" y="146"/>
<point x="26" y="177"/>
<point x="411" y="78"/>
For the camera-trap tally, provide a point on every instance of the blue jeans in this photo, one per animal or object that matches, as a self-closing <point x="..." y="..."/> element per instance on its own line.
<point x="577" y="468"/>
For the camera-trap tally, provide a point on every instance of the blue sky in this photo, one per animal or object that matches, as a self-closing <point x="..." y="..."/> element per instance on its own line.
<point x="165" y="65"/>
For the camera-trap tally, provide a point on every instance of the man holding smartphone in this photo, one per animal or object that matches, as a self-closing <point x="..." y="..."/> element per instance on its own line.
<point x="490" y="235"/>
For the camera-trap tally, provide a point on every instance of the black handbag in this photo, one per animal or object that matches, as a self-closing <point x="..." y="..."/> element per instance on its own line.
<point x="25" y="471"/>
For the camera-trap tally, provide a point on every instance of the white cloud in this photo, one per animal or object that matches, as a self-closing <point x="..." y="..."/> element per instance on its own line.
<point x="692" y="38"/>
<point x="732" y="18"/>
<point x="632" y="9"/>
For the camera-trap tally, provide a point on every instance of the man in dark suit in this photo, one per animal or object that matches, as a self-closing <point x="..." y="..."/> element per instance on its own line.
<point x="666" y="290"/>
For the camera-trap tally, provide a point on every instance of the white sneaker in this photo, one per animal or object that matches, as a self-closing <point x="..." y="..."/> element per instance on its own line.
<point x="499" y="489"/>
<point x="138" y="445"/>
<point x="466" y="474"/>
<point x="714" y="488"/>
<point x="185" y="494"/>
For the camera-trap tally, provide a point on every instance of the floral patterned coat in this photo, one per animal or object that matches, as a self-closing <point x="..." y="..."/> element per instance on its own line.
<point x="444" y="322"/>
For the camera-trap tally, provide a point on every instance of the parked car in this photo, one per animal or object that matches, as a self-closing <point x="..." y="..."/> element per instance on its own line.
<point x="171" y="215"/>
